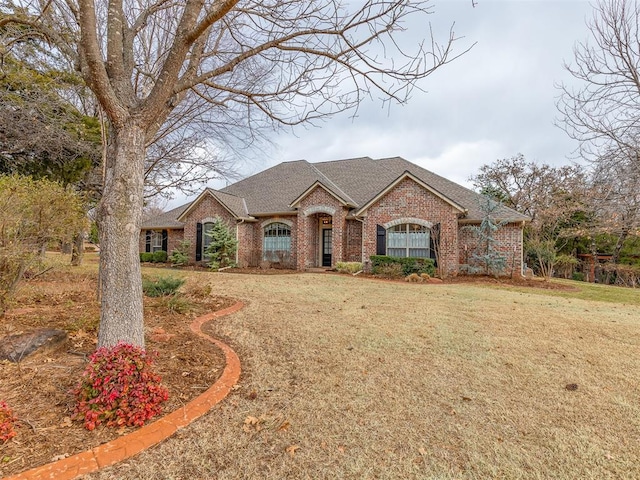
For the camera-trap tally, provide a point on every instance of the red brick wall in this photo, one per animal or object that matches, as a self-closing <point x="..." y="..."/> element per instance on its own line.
<point x="308" y="229"/>
<point x="208" y="207"/>
<point x="410" y="200"/>
<point x="509" y="243"/>
<point x="353" y="241"/>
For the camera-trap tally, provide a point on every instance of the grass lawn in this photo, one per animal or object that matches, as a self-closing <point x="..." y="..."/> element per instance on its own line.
<point x="355" y="378"/>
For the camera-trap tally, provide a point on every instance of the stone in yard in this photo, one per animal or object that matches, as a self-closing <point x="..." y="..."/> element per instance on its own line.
<point x="17" y="347"/>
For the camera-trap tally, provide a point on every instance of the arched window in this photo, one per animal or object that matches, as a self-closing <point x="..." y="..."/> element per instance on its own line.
<point x="276" y="243"/>
<point x="408" y="240"/>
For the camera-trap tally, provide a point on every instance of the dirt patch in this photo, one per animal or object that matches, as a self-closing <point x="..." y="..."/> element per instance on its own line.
<point x="37" y="388"/>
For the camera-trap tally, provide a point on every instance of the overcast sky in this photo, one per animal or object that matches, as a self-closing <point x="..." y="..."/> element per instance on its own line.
<point x="494" y="102"/>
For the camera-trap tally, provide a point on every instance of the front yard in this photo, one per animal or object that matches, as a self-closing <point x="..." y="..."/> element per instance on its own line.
<point x="355" y="378"/>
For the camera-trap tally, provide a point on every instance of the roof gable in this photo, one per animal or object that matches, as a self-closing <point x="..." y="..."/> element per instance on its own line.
<point x="318" y="184"/>
<point x="236" y="206"/>
<point x="410" y="176"/>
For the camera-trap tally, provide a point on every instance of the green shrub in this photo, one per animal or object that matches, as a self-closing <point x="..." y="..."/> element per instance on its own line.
<point x="118" y="388"/>
<point x="7" y="423"/>
<point x="348" y="267"/>
<point x="408" y="265"/>
<point x="146" y="257"/>
<point x="180" y="256"/>
<point x="579" y="276"/>
<point x="389" y="270"/>
<point x="223" y="246"/>
<point x="159" y="256"/>
<point x="161" y="287"/>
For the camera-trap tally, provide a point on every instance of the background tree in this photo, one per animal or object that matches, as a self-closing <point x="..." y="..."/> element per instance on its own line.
<point x="33" y="213"/>
<point x="258" y="62"/>
<point x="602" y="112"/>
<point x="556" y="198"/>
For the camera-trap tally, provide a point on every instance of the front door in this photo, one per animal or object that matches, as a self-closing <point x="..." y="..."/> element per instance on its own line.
<point x="326" y="247"/>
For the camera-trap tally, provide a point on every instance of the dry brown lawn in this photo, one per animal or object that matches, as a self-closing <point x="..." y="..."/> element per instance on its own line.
<point x="355" y="378"/>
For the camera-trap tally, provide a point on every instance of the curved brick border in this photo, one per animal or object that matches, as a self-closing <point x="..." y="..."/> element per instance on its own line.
<point x="133" y="443"/>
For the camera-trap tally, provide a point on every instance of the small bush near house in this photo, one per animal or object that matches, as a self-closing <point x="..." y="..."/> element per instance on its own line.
<point x="161" y="287"/>
<point x="391" y="270"/>
<point x="348" y="267"/>
<point x="146" y="257"/>
<point x="414" y="278"/>
<point x="180" y="256"/>
<point x="118" y="388"/>
<point x="408" y="265"/>
<point x="7" y="423"/>
<point x="160" y="256"/>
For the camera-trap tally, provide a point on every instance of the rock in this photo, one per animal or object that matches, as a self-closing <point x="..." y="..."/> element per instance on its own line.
<point x="17" y="347"/>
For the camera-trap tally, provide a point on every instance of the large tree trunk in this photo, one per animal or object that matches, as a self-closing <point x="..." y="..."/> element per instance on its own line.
<point x="77" y="250"/>
<point x="119" y="217"/>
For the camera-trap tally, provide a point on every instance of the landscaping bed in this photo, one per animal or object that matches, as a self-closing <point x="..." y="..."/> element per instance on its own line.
<point x="37" y="388"/>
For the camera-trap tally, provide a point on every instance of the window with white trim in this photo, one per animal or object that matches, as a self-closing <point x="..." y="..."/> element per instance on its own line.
<point x="276" y="243"/>
<point x="408" y="240"/>
<point x="156" y="240"/>
<point x="207" y="228"/>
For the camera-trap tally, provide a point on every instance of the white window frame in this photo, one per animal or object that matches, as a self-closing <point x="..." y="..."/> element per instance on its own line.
<point x="281" y="242"/>
<point x="408" y="240"/>
<point x="155" y="241"/>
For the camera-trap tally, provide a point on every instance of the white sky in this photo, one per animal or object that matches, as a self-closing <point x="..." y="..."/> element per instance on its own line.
<point x="494" y="102"/>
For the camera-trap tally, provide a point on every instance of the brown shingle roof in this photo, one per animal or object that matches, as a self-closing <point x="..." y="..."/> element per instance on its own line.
<point x="355" y="180"/>
<point x="166" y="219"/>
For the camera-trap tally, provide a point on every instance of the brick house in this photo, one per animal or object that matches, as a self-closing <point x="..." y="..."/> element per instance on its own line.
<point x="304" y="215"/>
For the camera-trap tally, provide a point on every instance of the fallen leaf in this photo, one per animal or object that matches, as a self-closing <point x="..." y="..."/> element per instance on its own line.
<point x="340" y="448"/>
<point x="251" y="424"/>
<point x="422" y="451"/>
<point x="66" y="422"/>
<point x="284" y="426"/>
<point x="291" y="449"/>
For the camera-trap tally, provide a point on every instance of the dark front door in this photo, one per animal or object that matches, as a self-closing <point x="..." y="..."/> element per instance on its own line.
<point x="326" y="247"/>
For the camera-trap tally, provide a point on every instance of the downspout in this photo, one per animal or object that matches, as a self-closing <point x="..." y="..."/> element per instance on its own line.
<point x="238" y="240"/>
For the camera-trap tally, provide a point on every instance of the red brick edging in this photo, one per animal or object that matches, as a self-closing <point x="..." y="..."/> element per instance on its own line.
<point x="133" y="443"/>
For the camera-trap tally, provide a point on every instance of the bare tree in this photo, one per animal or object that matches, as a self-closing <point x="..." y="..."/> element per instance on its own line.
<point x="603" y="110"/>
<point x="616" y="192"/>
<point x="283" y="61"/>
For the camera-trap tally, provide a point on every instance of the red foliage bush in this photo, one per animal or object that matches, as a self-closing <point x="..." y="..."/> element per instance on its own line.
<point x="118" y="388"/>
<point x="7" y="423"/>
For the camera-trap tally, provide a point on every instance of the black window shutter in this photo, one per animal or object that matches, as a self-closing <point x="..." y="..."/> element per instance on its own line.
<point x="198" y="242"/>
<point x="165" y="240"/>
<point x="381" y="240"/>
<point x="147" y="247"/>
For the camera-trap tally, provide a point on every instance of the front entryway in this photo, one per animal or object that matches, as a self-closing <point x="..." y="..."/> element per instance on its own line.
<point x="327" y="234"/>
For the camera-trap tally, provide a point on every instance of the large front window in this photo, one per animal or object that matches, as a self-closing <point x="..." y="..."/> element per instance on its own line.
<point x="276" y="244"/>
<point x="156" y="240"/>
<point x="408" y="240"/>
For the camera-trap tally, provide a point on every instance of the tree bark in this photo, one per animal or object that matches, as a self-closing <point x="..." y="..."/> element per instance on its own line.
<point x="77" y="249"/>
<point x="119" y="218"/>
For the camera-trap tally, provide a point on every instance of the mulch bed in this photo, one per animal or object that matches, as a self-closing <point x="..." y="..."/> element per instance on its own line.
<point x="37" y="388"/>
